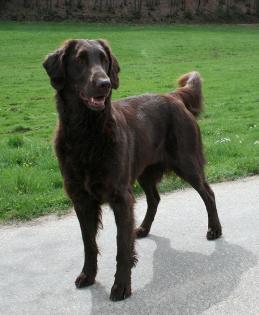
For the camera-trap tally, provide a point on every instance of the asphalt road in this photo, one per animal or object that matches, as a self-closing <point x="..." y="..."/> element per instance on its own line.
<point x="179" y="271"/>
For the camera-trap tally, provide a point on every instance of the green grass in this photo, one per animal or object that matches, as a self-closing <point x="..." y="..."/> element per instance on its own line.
<point x="151" y="59"/>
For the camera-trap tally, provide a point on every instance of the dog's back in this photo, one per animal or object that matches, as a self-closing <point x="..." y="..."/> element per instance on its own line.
<point x="164" y="127"/>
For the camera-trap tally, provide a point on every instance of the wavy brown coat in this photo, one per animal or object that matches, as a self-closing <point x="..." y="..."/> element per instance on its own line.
<point x="104" y="146"/>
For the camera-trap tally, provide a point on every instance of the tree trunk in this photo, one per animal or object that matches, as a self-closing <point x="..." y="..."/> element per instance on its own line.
<point x="26" y="3"/>
<point x="257" y="7"/>
<point x="198" y="6"/>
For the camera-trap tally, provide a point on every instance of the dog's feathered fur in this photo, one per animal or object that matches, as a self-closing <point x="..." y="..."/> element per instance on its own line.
<point x="102" y="153"/>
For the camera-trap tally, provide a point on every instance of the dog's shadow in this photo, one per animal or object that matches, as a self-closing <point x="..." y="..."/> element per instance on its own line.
<point x="183" y="282"/>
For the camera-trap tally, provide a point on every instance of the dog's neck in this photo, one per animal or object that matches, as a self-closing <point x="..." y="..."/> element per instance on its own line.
<point x="71" y="107"/>
<point x="75" y="115"/>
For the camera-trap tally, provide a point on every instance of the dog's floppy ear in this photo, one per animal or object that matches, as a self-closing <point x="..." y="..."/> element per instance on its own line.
<point x="54" y="65"/>
<point x="114" y="67"/>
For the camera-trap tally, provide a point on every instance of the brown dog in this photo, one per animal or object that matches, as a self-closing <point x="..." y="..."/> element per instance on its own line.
<point x="104" y="146"/>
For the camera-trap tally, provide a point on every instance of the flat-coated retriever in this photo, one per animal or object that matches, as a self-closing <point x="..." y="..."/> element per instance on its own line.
<point x="104" y="146"/>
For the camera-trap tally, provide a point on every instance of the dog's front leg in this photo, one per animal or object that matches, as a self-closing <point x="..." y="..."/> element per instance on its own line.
<point x="126" y="257"/>
<point x="88" y="212"/>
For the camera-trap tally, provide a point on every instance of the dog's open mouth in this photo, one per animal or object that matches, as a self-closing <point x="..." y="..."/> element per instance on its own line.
<point x="94" y="102"/>
<point x="97" y="101"/>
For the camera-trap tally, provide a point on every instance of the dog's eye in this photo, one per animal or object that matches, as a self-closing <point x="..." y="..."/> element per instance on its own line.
<point x="82" y="57"/>
<point x="103" y="57"/>
<point x="81" y="61"/>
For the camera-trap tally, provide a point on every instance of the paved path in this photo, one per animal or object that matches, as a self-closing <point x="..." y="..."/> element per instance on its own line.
<point x="179" y="271"/>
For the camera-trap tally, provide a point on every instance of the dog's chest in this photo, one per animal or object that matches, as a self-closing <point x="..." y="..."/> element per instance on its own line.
<point x="95" y="168"/>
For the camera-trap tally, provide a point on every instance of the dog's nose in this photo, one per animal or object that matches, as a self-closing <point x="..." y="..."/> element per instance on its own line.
<point x="103" y="83"/>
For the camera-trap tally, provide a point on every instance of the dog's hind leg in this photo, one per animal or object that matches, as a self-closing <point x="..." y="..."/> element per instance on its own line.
<point x="191" y="171"/>
<point x="148" y="181"/>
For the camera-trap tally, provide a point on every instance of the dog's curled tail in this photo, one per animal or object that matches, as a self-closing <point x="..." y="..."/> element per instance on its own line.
<point x="190" y="91"/>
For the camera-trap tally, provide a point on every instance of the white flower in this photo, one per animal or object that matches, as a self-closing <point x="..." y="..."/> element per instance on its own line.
<point x="223" y="140"/>
<point x="253" y="126"/>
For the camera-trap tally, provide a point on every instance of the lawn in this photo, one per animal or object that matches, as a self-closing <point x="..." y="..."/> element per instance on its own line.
<point x="151" y="58"/>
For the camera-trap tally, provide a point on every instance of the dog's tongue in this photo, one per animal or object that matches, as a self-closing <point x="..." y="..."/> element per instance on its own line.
<point x="98" y="101"/>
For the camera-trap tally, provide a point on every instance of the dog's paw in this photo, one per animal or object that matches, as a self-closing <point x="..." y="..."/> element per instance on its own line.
<point x="120" y="292"/>
<point x="214" y="233"/>
<point x="141" y="232"/>
<point x="83" y="280"/>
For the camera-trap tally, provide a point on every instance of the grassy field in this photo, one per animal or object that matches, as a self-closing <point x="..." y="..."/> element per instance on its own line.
<point x="151" y="59"/>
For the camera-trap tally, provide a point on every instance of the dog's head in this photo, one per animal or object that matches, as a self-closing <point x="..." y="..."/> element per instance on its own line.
<point x="86" y="67"/>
